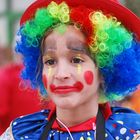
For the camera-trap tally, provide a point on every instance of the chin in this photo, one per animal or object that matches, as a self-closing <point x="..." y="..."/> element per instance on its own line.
<point x="67" y="101"/>
<point x="66" y="104"/>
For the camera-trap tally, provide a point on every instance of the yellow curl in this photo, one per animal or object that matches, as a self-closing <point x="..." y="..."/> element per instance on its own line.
<point x="97" y="17"/>
<point x="60" y="11"/>
<point x="93" y="49"/>
<point x="53" y="9"/>
<point x="102" y="47"/>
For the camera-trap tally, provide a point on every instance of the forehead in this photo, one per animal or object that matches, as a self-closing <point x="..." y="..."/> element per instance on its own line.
<point x="73" y="39"/>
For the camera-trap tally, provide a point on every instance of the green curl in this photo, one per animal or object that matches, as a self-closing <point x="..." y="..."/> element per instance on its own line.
<point x="111" y="38"/>
<point x="37" y="27"/>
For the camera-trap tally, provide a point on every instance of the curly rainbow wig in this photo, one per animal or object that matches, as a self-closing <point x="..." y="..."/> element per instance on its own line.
<point x="114" y="48"/>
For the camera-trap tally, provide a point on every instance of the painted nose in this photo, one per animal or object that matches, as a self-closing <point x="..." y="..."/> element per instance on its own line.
<point x="62" y="71"/>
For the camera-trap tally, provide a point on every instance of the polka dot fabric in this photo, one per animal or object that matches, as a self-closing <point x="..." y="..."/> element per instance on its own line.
<point x="117" y="127"/>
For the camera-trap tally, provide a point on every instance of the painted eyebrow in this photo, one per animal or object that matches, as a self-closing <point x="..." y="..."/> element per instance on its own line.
<point x="78" y="47"/>
<point x="50" y="47"/>
<point x="75" y="46"/>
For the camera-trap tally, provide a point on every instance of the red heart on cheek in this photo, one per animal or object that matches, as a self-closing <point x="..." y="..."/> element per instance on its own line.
<point x="88" y="76"/>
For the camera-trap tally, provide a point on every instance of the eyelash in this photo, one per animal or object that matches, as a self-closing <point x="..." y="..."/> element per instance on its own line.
<point x="74" y="60"/>
<point x="77" y="60"/>
<point x="50" y="62"/>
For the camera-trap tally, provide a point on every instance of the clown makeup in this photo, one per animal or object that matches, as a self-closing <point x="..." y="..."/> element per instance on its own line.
<point x="79" y="68"/>
<point x="74" y="76"/>
<point x="49" y="71"/>
<point x="89" y="77"/>
<point x="78" y="46"/>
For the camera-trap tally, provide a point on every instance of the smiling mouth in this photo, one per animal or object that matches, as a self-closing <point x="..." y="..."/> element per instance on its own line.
<point x="77" y="87"/>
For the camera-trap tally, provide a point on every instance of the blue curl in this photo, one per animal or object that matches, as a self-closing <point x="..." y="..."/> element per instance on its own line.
<point x="33" y="65"/>
<point x="124" y="75"/>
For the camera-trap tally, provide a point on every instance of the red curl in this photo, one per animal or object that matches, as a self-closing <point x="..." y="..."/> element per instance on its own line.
<point x="80" y="15"/>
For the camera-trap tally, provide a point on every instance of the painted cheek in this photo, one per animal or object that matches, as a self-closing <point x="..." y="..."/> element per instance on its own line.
<point x="45" y="81"/>
<point x="88" y="76"/>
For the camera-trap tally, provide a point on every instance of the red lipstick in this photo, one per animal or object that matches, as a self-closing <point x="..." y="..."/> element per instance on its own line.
<point x="77" y="87"/>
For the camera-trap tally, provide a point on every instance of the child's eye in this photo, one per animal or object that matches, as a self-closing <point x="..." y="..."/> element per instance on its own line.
<point x="50" y="62"/>
<point x="77" y="60"/>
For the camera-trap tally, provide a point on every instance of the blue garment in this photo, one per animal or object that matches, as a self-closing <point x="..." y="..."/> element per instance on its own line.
<point x="123" y="124"/>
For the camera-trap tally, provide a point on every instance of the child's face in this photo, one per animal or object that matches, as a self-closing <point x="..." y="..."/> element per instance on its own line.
<point x="72" y="77"/>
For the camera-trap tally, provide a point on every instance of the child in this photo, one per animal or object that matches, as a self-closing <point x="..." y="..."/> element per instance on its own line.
<point x="81" y="55"/>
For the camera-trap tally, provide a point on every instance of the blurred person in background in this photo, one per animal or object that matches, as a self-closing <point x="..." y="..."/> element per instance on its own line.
<point x="16" y="98"/>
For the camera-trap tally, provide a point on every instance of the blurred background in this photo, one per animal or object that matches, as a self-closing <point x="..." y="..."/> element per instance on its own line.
<point x="10" y="12"/>
<point x="10" y="94"/>
<point x="16" y="98"/>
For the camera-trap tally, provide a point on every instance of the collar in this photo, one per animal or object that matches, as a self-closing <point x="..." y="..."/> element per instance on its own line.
<point x="87" y="125"/>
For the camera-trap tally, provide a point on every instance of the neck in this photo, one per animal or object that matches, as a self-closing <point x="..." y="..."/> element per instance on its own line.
<point x="80" y="114"/>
